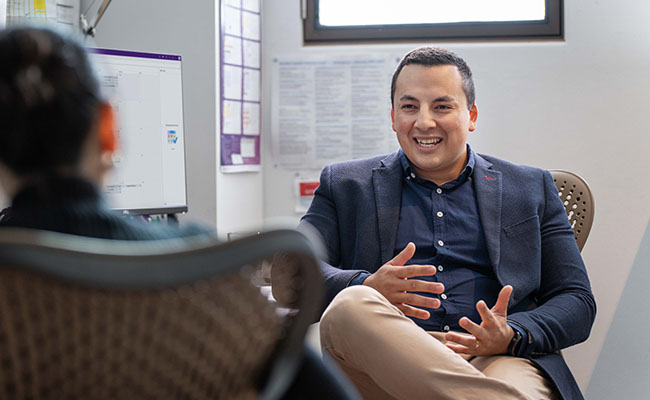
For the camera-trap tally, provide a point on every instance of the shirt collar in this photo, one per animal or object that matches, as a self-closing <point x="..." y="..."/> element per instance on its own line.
<point x="464" y="175"/>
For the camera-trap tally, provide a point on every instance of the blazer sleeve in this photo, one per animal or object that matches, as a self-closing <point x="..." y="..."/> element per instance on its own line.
<point x="324" y="216"/>
<point x="566" y="307"/>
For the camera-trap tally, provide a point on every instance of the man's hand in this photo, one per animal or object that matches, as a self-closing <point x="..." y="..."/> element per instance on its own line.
<point x="491" y="337"/>
<point x="391" y="281"/>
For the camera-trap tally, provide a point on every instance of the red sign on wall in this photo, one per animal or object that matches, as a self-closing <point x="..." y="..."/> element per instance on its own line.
<point x="308" y="188"/>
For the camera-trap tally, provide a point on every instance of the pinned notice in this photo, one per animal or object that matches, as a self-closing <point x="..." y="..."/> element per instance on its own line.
<point x="305" y="193"/>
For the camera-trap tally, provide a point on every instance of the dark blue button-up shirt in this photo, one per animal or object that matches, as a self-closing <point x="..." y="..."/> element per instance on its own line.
<point x="444" y="224"/>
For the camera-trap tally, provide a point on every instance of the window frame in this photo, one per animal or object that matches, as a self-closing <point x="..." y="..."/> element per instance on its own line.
<point x="551" y="28"/>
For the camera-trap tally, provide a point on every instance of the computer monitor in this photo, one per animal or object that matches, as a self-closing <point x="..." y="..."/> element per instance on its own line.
<point x="146" y="90"/>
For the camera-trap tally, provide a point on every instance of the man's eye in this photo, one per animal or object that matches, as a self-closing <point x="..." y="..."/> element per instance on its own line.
<point x="443" y="107"/>
<point x="408" y="106"/>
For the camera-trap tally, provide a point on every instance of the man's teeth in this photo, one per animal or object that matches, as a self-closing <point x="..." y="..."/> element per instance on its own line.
<point x="428" y="142"/>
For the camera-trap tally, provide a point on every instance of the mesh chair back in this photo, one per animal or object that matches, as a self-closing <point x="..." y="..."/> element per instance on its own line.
<point x="97" y="319"/>
<point x="578" y="202"/>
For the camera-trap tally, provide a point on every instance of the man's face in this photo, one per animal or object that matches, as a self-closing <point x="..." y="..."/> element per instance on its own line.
<point x="431" y="119"/>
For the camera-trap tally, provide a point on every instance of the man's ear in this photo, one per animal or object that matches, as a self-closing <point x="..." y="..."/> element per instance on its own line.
<point x="106" y="127"/>
<point x="473" y="116"/>
<point x="392" y="118"/>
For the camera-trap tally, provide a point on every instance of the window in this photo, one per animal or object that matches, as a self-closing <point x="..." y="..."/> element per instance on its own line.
<point x="386" y="20"/>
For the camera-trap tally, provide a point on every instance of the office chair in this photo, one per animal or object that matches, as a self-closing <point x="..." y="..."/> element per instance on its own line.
<point x="98" y="319"/>
<point x="578" y="202"/>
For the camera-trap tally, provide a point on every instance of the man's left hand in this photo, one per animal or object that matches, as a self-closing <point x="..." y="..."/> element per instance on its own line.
<point x="491" y="337"/>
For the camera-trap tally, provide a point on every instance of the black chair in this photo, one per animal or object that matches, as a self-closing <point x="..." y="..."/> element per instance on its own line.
<point x="182" y="319"/>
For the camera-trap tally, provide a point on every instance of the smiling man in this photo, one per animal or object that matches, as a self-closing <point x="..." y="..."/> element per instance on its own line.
<point x="450" y="274"/>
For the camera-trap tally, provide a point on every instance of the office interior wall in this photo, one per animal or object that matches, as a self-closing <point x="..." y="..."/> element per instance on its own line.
<point x="623" y="365"/>
<point x="577" y="104"/>
<point x="189" y="28"/>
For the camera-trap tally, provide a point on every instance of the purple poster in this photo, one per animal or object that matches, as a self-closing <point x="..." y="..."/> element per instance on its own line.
<point x="240" y="84"/>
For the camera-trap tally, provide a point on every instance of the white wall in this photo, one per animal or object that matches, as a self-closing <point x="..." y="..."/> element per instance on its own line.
<point x="623" y="364"/>
<point x="577" y="104"/>
<point x="227" y="202"/>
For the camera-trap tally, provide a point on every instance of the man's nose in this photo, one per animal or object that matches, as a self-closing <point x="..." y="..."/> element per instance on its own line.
<point x="425" y="120"/>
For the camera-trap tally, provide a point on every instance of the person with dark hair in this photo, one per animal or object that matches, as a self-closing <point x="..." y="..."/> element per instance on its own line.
<point x="56" y="142"/>
<point x="450" y="274"/>
<point x="57" y="139"/>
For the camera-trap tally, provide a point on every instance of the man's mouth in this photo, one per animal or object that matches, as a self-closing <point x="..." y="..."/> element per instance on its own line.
<point x="431" y="142"/>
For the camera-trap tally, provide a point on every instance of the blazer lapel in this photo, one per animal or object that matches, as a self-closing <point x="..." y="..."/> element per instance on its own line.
<point x="387" y="183"/>
<point x="488" y="185"/>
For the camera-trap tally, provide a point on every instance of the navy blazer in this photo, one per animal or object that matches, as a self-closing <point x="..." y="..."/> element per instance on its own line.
<point x="529" y="239"/>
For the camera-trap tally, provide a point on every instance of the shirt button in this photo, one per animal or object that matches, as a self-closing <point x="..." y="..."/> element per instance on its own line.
<point x="445" y="328"/>
<point x="443" y="296"/>
<point x="440" y="268"/>
<point x="440" y="214"/>
<point x="412" y="175"/>
<point x="439" y="191"/>
<point x="441" y="243"/>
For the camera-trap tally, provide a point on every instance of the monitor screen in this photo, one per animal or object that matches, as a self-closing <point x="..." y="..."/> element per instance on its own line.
<point x="146" y="91"/>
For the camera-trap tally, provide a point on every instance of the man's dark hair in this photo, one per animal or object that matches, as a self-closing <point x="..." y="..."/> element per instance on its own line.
<point x="49" y="97"/>
<point x="435" y="56"/>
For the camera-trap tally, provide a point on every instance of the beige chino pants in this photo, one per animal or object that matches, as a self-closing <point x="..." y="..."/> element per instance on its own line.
<point x="388" y="356"/>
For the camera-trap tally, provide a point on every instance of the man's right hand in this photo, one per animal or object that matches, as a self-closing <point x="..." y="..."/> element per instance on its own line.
<point x="391" y="281"/>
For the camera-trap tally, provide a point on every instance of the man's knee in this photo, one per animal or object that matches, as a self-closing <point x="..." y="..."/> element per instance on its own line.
<point x="348" y="310"/>
<point x="347" y="304"/>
